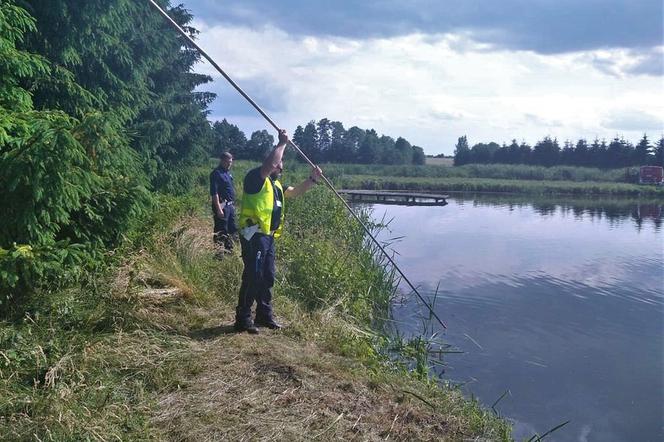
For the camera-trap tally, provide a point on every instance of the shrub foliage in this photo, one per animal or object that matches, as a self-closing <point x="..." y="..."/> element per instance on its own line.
<point x="94" y="116"/>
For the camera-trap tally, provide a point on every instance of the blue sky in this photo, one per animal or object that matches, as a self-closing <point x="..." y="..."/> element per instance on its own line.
<point x="432" y="71"/>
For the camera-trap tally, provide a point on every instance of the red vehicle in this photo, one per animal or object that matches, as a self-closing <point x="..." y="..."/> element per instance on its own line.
<point x="651" y="175"/>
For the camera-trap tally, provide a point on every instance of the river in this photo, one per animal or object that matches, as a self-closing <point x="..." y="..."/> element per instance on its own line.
<point x="559" y="303"/>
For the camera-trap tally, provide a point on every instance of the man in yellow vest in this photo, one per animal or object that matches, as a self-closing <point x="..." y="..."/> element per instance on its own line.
<point x="261" y="222"/>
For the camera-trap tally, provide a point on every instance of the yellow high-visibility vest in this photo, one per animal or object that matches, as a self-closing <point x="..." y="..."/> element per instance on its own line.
<point x="257" y="208"/>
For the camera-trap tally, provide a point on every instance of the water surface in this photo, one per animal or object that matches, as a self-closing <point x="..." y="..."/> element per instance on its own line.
<point x="559" y="303"/>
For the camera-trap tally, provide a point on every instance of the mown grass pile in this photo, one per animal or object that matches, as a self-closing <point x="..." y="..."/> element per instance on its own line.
<point x="132" y="352"/>
<point x="79" y="363"/>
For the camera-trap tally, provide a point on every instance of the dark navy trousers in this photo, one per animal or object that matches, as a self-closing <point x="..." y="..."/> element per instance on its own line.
<point x="225" y="228"/>
<point x="257" y="279"/>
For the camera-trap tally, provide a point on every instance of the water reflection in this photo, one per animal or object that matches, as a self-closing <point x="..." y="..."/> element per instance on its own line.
<point x="561" y="302"/>
<point x="616" y="211"/>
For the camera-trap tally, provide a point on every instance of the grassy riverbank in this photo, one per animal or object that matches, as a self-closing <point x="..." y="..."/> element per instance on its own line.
<point x="530" y="187"/>
<point x="532" y="180"/>
<point x="143" y="348"/>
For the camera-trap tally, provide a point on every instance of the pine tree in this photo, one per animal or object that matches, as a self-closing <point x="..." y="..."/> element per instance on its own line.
<point x="142" y="80"/>
<point x="513" y="156"/>
<point x="461" y="152"/>
<point x="71" y="184"/>
<point x="642" y="152"/>
<point x="567" y="154"/>
<point x="501" y="155"/>
<point x="546" y="152"/>
<point x="581" y="153"/>
<point x="619" y="153"/>
<point x="659" y="153"/>
<point x="323" y="138"/>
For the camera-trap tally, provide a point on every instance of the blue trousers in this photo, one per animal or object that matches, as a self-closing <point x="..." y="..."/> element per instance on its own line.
<point x="225" y="228"/>
<point x="257" y="279"/>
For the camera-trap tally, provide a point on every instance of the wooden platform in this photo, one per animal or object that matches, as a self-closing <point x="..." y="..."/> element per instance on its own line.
<point x="396" y="197"/>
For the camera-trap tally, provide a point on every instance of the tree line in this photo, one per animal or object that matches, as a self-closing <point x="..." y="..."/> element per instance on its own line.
<point x="324" y="141"/>
<point x="98" y="110"/>
<point x="615" y="154"/>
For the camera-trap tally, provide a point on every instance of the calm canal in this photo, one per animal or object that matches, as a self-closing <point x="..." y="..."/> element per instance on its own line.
<point x="559" y="303"/>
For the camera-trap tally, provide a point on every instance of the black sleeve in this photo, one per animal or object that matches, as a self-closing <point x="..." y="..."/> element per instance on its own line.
<point x="253" y="182"/>
<point x="214" y="188"/>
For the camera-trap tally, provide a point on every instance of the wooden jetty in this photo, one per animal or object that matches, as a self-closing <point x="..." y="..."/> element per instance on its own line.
<point x="395" y="197"/>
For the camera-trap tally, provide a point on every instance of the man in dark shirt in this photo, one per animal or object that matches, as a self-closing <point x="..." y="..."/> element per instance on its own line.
<point x="261" y="222"/>
<point x="222" y="195"/>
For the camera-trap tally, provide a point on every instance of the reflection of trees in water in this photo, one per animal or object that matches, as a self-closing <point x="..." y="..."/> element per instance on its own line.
<point x="615" y="211"/>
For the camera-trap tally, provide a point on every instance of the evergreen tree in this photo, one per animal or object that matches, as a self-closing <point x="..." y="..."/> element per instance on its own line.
<point x="619" y="153"/>
<point x="513" y="155"/>
<point x="568" y="155"/>
<point x="324" y="139"/>
<point x="525" y="153"/>
<point x="501" y="155"/>
<point x="642" y="152"/>
<point x="143" y="79"/>
<point x="71" y="183"/>
<point x="597" y="153"/>
<point x="581" y="153"/>
<point x="659" y="153"/>
<point x="546" y="152"/>
<point x="462" y="152"/>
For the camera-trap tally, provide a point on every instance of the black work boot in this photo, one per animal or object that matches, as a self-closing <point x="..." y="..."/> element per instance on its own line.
<point x="249" y="328"/>
<point x="269" y="323"/>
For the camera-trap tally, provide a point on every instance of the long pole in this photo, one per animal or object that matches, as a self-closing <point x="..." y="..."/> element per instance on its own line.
<point x="297" y="148"/>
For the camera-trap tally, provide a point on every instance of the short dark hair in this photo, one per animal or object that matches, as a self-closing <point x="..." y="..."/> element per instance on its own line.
<point x="225" y="155"/>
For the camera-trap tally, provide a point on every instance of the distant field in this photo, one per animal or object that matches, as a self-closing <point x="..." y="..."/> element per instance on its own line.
<point x="492" y="171"/>
<point x="470" y="184"/>
<point x="560" y="180"/>
<point x="523" y="179"/>
<point x="439" y="161"/>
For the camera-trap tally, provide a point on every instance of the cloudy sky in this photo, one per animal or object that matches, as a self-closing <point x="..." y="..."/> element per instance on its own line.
<point x="433" y="70"/>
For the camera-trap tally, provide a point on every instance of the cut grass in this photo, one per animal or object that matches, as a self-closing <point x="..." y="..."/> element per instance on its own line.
<point x="145" y="350"/>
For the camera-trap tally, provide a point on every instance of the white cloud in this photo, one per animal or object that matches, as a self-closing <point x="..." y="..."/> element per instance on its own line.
<point x="432" y="89"/>
<point x="630" y="120"/>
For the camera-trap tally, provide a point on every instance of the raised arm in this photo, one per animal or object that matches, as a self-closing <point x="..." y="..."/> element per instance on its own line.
<point x="273" y="160"/>
<point x="305" y="185"/>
